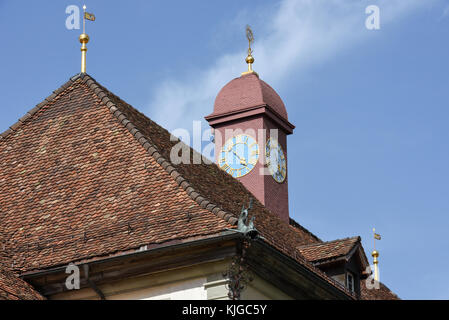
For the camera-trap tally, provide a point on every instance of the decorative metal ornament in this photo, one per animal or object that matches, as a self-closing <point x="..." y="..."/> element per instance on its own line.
<point x="249" y="35"/>
<point x="375" y="255"/>
<point x="84" y="38"/>
<point x="238" y="274"/>
<point x="246" y="226"/>
<point x="249" y="59"/>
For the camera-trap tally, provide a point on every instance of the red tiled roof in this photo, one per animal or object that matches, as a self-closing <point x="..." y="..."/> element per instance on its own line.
<point x="383" y="293"/>
<point x="75" y="183"/>
<point x="329" y="250"/>
<point x="14" y="288"/>
<point x="86" y="175"/>
<point x="11" y="286"/>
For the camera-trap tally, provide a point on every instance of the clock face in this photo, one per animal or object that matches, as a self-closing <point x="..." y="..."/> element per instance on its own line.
<point x="239" y="155"/>
<point x="275" y="159"/>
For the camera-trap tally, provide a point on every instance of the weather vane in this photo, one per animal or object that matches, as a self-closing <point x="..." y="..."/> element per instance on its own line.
<point x="249" y="59"/>
<point x="250" y="37"/>
<point x="376" y="237"/>
<point x="84" y="38"/>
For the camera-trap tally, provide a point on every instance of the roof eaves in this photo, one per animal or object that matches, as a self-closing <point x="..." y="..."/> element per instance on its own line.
<point x="136" y="251"/>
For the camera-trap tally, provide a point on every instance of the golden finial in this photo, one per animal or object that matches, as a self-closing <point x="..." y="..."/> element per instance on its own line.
<point x="249" y="59"/>
<point x="84" y="38"/>
<point x="375" y="255"/>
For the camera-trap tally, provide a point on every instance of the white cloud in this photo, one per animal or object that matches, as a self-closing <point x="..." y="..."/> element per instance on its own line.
<point x="298" y="35"/>
<point x="446" y="11"/>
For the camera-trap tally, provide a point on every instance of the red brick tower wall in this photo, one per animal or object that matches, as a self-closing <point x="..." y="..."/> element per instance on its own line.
<point x="252" y="181"/>
<point x="276" y="194"/>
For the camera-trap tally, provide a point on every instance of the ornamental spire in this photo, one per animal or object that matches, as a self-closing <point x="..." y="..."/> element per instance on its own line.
<point x="249" y="59"/>
<point x="84" y="38"/>
<point x="375" y="255"/>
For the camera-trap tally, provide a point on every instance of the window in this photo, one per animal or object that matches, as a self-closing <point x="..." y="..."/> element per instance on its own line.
<point x="350" y="281"/>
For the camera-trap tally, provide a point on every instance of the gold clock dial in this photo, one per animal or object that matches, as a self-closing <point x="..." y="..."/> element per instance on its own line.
<point x="239" y="155"/>
<point x="275" y="159"/>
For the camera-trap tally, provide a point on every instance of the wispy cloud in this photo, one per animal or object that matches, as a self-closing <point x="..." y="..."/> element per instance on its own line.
<point x="446" y="12"/>
<point x="298" y="35"/>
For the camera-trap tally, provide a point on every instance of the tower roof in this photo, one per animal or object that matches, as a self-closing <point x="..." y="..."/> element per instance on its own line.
<point x="247" y="92"/>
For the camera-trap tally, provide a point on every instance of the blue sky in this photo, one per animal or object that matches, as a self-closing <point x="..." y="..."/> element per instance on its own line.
<point x="370" y="107"/>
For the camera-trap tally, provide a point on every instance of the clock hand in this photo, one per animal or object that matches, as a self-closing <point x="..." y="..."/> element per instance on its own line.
<point x="242" y="161"/>
<point x="236" y="155"/>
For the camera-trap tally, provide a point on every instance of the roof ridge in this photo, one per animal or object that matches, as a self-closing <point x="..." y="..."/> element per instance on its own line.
<point x="152" y="150"/>
<point x="14" y="127"/>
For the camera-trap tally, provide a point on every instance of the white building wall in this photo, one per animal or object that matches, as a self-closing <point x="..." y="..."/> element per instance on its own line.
<point x="200" y="282"/>
<point x="192" y="289"/>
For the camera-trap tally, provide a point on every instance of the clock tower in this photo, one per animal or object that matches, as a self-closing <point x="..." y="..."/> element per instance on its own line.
<point x="250" y="125"/>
